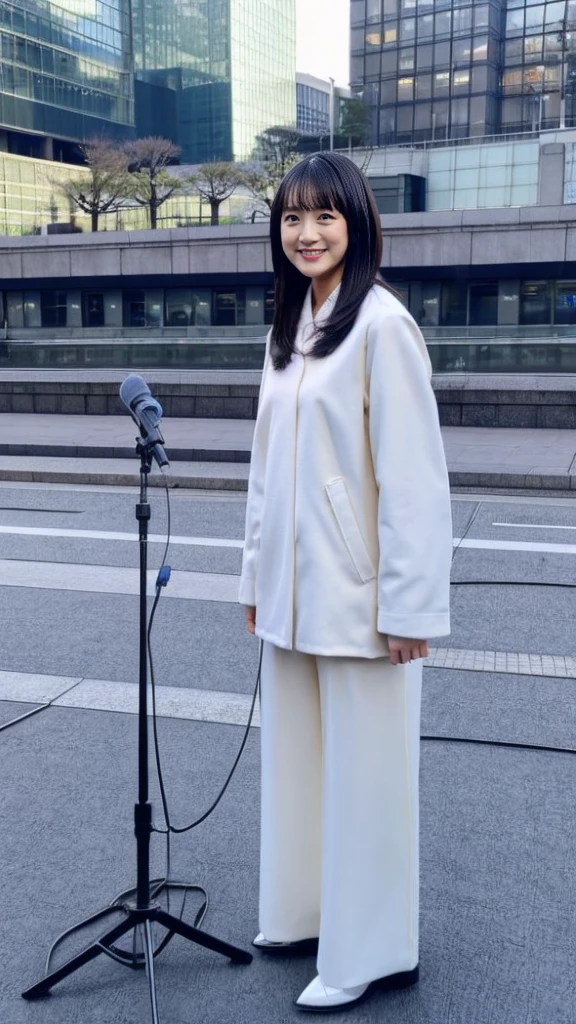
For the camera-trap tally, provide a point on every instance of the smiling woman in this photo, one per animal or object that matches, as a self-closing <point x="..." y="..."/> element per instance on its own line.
<point x="345" y="574"/>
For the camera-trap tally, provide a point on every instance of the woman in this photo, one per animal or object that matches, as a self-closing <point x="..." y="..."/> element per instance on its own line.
<point x="345" y="577"/>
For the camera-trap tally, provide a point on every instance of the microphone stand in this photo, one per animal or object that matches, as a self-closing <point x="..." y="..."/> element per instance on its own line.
<point x="142" y="910"/>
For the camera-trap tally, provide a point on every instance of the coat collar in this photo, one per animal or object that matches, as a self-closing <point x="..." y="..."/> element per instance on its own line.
<point x="309" y="322"/>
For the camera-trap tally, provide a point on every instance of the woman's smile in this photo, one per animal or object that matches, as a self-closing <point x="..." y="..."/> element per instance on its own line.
<point x="312" y="254"/>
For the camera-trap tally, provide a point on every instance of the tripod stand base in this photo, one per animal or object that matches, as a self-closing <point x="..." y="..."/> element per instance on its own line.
<point x="136" y="917"/>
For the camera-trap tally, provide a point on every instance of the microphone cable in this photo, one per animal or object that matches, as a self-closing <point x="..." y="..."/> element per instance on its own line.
<point x="161" y="581"/>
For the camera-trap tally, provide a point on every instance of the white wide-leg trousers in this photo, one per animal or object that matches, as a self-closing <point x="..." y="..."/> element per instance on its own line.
<point x="339" y="840"/>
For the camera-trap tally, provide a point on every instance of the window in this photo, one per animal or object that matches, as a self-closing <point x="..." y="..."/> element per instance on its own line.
<point x="54" y="309"/>
<point x="515" y="22"/>
<point x="357" y="12"/>
<point x="535" y="304"/>
<point x="426" y="26"/>
<point x="406" y="60"/>
<point x="483" y="303"/>
<point x="565" y="306"/>
<point x="225" y="306"/>
<point x="534" y="18"/>
<point x="424" y="87"/>
<point x="461" y="51"/>
<point x="373" y="39"/>
<point x="93" y="309"/>
<point x="441" y="82"/>
<point x="134" y="303"/>
<point x="443" y="23"/>
<point x="481" y="16"/>
<point x="461" y="81"/>
<point x="373" y="10"/>
<point x="533" y="48"/>
<point x="405" y="89"/>
<point x="269" y="306"/>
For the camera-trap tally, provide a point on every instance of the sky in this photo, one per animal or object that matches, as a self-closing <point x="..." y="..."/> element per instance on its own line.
<point x="323" y="38"/>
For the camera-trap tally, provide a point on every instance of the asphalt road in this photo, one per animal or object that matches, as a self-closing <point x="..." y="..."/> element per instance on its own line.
<point x="498" y="931"/>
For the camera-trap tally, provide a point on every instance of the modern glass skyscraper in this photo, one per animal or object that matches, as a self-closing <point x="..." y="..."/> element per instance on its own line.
<point x="435" y="69"/>
<point x="213" y="74"/>
<point x="65" y="72"/>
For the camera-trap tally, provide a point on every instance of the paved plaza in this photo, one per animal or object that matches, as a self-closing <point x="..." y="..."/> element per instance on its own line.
<point x="214" y="453"/>
<point x="498" y="840"/>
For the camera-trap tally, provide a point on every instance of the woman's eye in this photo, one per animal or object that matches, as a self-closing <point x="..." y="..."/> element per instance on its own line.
<point x="291" y="218"/>
<point x="326" y="216"/>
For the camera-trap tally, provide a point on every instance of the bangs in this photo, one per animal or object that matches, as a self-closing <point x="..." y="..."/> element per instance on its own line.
<point x="312" y="185"/>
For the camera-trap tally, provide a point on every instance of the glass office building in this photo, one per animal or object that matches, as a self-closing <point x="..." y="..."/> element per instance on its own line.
<point x="312" y="105"/>
<point x="65" y="73"/>
<point x="213" y="74"/>
<point x="449" y="69"/>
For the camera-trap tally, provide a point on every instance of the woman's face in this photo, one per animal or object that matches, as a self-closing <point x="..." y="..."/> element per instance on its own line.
<point x="315" y="241"/>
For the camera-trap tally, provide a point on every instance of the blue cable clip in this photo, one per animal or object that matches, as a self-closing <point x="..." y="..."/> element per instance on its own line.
<point x="163" y="576"/>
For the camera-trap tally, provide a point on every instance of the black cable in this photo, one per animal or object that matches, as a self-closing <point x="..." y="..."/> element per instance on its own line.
<point x="170" y="828"/>
<point x="499" y="743"/>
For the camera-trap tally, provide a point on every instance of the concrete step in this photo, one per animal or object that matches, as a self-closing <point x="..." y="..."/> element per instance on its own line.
<point x="229" y="476"/>
<point x="123" y="473"/>
<point x="65" y="451"/>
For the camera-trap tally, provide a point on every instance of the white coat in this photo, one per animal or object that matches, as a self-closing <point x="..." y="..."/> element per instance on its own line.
<point x="348" y="520"/>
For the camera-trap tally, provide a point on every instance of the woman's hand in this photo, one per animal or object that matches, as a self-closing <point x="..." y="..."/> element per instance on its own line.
<point x="251" y="619"/>
<point x="403" y="649"/>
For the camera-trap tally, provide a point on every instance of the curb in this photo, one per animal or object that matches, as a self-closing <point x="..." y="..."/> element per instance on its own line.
<point x="520" y="481"/>
<point x="193" y="481"/>
<point x="60" y="451"/>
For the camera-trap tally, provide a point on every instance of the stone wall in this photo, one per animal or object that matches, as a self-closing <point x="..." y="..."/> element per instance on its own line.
<point x="452" y="238"/>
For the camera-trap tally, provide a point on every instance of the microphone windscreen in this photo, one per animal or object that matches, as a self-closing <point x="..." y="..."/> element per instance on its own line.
<point x="133" y="389"/>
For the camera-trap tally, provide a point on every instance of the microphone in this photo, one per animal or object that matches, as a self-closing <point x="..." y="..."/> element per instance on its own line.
<point x="146" y="413"/>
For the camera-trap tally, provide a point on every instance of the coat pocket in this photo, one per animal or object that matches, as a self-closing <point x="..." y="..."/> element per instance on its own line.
<point x="348" y="524"/>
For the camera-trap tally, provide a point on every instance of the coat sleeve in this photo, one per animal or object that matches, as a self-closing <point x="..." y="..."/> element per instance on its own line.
<point x="247" y="590"/>
<point x="414" y="512"/>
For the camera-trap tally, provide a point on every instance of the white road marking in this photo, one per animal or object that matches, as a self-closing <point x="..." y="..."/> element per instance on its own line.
<point x="227" y="542"/>
<point x="516" y="545"/>
<point x="232" y="708"/>
<point x="534" y="526"/>
<point x="105" y="579"/>
<point x="154" y="538"/>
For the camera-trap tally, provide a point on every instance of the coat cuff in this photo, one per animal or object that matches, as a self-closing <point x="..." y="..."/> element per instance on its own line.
<point x="415" y="627"/>
<point x="247" y="591"/>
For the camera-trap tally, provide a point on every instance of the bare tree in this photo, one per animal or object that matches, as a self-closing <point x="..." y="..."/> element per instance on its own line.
<point x="215" y="183"/>
<point x="263" y="179"/>
<point x="278" y="146"/>
<point x="151" y="184"/>
<point x="103" y="189"/>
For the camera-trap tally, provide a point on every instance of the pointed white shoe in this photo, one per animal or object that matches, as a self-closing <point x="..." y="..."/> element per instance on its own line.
<point x="301" y="946"/>
<point x="321" y="998"/>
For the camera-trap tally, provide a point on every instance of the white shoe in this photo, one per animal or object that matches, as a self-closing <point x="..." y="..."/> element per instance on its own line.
<point x="321" y="998"/>
<point x="300" y="946"/>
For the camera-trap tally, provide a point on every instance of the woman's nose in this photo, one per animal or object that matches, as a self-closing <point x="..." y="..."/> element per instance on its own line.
<point x="308" y="231"/>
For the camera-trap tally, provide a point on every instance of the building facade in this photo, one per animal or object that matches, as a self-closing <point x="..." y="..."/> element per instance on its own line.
<point x="214" y="74"/>
<point x="65" y="74"/>
<point x="449" y="69"/>
<point x="312" y="104"/>
<point x="507" y="273"/>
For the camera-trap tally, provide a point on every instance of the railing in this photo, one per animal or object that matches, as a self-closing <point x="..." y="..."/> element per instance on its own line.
<point x="452" y="350"/>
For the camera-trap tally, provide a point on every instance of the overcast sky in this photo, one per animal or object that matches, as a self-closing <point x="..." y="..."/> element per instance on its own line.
<point x="323" y="38"/>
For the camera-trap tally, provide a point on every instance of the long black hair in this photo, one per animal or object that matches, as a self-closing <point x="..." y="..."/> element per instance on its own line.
<point x="325" y="181"/>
